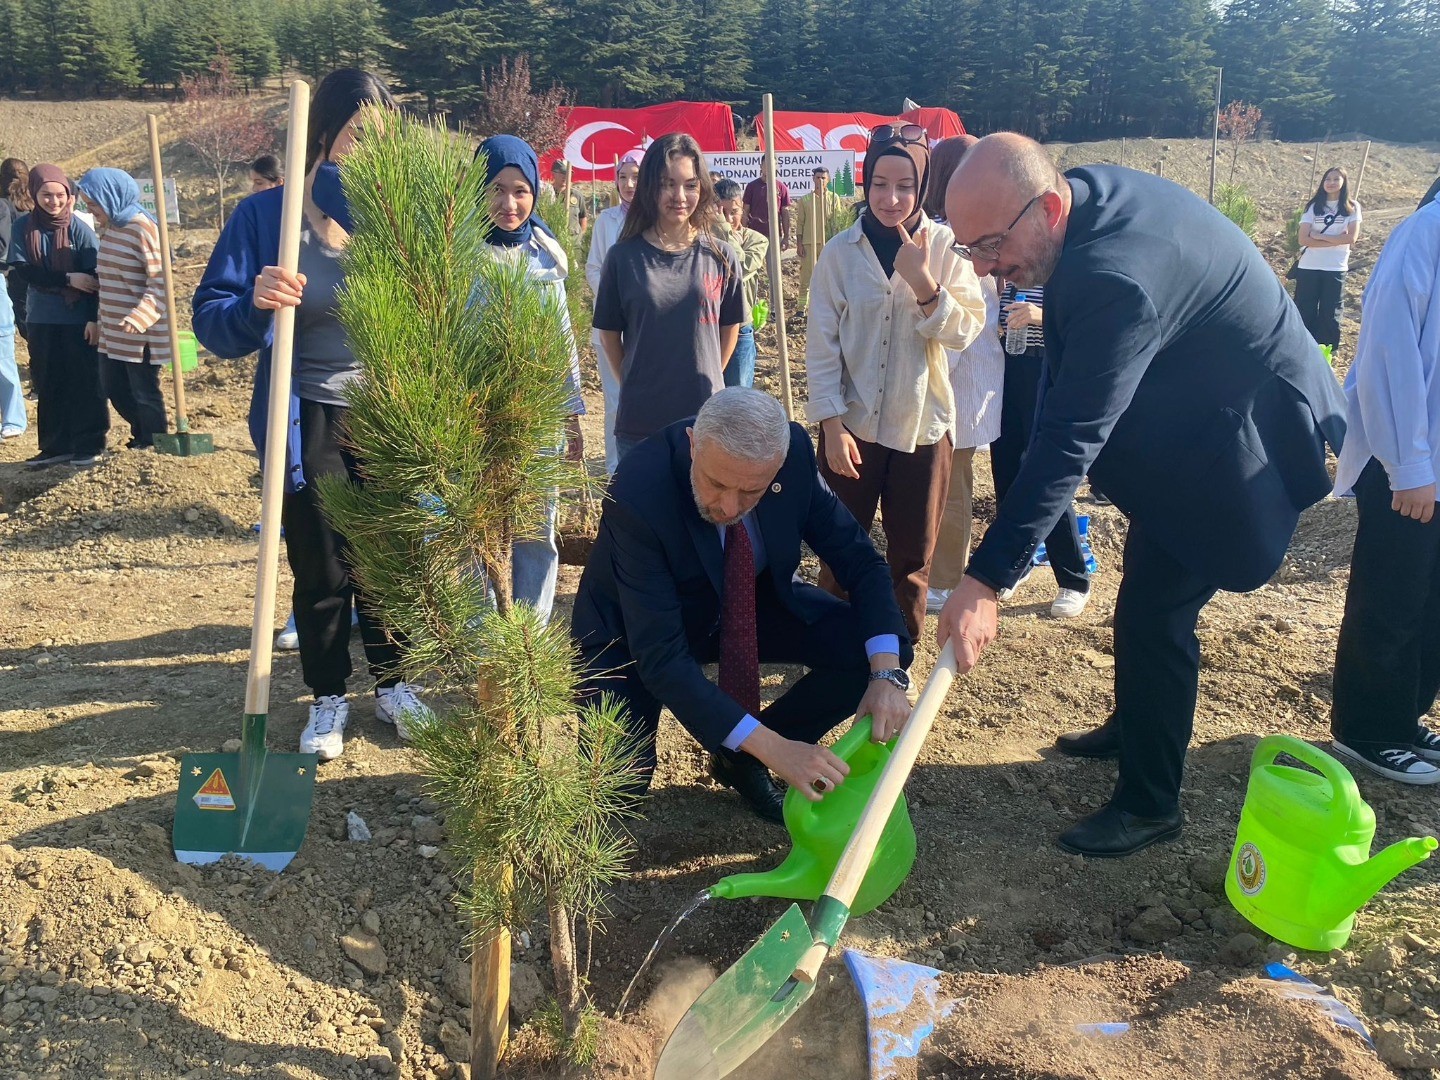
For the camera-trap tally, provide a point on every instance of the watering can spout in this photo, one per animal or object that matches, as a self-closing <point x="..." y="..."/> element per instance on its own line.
<point x="1374" y="874"/>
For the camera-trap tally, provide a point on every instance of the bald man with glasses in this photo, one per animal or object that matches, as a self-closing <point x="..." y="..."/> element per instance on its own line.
<point x="1180" y="377"/>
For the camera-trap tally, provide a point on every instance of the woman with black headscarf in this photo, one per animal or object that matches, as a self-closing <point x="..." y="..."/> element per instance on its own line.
<point x="53" y="253"/>
<point x="887" y="299"/>
<point x="519" y="236"/>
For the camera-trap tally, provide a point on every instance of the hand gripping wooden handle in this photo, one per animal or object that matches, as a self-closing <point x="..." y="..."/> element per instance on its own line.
<point x="855" y="861"/>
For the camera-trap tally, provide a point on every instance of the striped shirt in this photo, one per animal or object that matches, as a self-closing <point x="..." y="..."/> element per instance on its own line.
<point x="1034" y="333"/>
<point x="132" y="288"/>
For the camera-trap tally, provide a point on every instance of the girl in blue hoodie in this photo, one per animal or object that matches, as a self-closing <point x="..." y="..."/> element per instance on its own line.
<point x="234" y="310"/>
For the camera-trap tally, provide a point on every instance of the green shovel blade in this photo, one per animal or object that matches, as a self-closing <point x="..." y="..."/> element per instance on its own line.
<point x="742" y="1008"/>
<point x="254" y="804"/>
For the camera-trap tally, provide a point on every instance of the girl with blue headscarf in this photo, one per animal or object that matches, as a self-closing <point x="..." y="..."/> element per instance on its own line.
<point x="134" y="322"/>
<point x="518" y="235"/>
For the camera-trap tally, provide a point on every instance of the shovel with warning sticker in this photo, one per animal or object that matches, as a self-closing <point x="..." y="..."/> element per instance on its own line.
<point x="257" y="804"/>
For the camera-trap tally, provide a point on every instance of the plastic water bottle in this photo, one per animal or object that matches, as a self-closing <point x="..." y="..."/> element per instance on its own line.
<point x="1015" y="335"/>
<point x="1091" y="563"/>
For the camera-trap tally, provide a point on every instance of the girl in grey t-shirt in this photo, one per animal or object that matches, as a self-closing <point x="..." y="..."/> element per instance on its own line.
<point x="671" y="297"/>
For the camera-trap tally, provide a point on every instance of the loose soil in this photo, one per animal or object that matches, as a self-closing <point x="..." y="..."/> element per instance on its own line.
<point x="126" y="592"/>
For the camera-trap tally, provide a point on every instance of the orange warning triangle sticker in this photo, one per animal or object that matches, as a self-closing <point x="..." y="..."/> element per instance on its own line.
<point x="214" y="794"/>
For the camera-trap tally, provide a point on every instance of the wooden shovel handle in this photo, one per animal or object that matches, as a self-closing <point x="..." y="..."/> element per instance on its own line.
<point x="855" y="861"/>
<point x="167" y="272"/>
<point x="282" y="343"/>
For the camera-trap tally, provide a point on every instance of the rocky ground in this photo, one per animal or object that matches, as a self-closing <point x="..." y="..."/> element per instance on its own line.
<point x="126" y="592"/>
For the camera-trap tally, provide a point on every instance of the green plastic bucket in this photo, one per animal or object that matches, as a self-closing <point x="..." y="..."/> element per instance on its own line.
<point x="189" y="352"/>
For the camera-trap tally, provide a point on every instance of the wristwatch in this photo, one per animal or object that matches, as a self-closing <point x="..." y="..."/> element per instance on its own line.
<point x="897" y="676"/>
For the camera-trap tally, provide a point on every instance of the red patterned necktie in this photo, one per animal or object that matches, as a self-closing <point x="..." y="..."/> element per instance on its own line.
<point x="739" y="646"/>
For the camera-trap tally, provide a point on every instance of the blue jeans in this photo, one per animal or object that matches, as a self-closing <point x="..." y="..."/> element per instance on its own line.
<point x="12" y="399"/>
<point x="535" y="566"/>
<point x="741" y="369"/>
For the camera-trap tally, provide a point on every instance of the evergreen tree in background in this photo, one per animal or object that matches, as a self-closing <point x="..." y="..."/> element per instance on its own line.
<point x="1275" y="54"/>
<point x="614" y="54"/>
<point x="1060" y="69"/>
<point x="719" y="48"/>
<point x="784" y="53"/>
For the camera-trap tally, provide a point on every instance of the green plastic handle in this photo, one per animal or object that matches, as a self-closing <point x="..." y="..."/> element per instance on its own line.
<point x="1342" y="784"/>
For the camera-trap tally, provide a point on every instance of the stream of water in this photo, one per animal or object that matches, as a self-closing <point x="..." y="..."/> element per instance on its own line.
<point x="689" y="909"/>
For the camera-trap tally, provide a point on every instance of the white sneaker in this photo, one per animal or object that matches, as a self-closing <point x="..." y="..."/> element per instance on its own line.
<point x="288" y="640"/>
<point x="400" y="706"/>
<point x="935" y="600"/>
<point x="1069" y="603"/>
<point x="1005" y="594"/>
<point x="325" y="733"/>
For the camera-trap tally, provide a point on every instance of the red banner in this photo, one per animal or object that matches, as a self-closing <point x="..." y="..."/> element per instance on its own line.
<point x="596" y="137"/>
<point x="851" y="131"/>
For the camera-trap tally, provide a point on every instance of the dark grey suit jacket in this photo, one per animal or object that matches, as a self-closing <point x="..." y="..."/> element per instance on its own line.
<point x="1181" y="378"/>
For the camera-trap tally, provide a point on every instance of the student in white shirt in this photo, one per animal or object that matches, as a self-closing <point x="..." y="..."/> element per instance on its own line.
<point x="1328" y="228"/>
<point x="1387" y="665"/>
<point x="889" y="296"/>
<point x="977" y="376"/>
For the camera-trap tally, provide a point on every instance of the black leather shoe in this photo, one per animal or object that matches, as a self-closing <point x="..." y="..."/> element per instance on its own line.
<point x="1098" y="742"/>
<point x="751" y="781"/>
<point x="1111" y="833"/>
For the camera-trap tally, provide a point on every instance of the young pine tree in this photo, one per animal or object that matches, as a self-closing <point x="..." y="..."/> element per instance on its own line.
<point x="464" y="391"/>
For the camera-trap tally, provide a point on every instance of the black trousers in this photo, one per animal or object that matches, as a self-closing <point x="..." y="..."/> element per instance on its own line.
<point x="319" y="560"/>
<point x="833" y="649"/>
<point x="134" y="390"/>
<point x="1018" y="402"/>
<point x="1318" y="296"/>
<point x="1157" y="673"/>
<point x="1387" y="665"/>
<point x="72" y="415"/>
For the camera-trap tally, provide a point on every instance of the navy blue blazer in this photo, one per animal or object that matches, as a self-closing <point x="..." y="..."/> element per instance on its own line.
<point x="1180" y="378"/>
<point x="655" y="576"/>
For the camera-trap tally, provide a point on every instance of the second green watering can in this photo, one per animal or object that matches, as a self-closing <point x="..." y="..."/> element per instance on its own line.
<point x="1301" y="867"/>
<point x="820" y="831"/>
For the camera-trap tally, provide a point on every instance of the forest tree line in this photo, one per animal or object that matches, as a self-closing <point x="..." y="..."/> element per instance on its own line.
<point x="1057" y="69"/>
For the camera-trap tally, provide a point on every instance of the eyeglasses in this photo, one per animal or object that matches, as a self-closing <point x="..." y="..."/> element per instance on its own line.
<point x="901" y="133"/>
<point x="990" y="250"/>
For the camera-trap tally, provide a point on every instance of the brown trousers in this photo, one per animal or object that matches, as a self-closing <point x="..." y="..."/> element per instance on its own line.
<point x="952" y="549"/>
<point x="909" y="490"/>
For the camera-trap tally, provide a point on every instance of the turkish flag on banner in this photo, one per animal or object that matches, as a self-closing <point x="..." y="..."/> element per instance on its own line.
<point x="851" y="131"/>
<point x="596" y="137"/>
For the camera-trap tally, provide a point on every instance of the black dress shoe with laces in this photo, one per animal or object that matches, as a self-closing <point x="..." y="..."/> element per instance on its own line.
<point x="1098" y="742"/>
<point x="751" y="781"/>
<point x="1111" y="833"/>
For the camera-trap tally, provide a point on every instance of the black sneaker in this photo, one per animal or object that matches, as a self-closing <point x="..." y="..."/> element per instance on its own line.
<point x="84" y="461"/>
<point x="1427" y="744"/>
<point x="44" y="460"/>
<point x="1397" y="763"/>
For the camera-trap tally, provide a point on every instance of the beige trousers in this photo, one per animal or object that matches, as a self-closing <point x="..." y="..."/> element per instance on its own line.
<point x="952" y="548"/>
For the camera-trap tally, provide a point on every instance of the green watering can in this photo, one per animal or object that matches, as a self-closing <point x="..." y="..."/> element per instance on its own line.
<point x="820" y="831"/>
<point x="1301" y="866"/>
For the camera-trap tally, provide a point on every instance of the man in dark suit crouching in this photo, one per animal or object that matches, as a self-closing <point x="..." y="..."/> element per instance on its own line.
<point x="696" y="562"/>
<point x="1180" y="377"/>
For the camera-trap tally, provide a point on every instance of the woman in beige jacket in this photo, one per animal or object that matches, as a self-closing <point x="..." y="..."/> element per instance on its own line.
<point x="887" y="298"/>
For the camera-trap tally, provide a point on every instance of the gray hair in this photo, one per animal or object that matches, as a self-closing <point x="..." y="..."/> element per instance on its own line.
<point x="746" y="423"/>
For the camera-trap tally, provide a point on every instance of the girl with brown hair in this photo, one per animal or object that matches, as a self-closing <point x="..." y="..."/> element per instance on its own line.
<point x="670" y="301"/>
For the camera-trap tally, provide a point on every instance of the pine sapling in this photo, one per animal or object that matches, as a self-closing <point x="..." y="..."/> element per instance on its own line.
<point x="457" y="424"/>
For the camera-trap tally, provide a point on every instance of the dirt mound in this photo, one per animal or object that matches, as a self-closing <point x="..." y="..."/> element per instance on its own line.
<point x="1026" y="1028"/>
